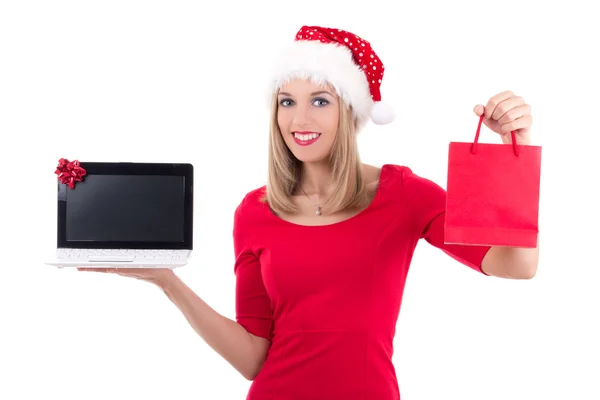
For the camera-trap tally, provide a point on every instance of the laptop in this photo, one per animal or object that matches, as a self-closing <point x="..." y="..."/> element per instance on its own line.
<point x="126" y="215"/>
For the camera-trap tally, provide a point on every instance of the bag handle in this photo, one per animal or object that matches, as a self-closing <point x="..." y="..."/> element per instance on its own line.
<point x="474" y="145"/>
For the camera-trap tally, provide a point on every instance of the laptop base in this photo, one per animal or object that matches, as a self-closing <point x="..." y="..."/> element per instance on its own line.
<point x="116" y="258"/>
<point x="116" y="264"/>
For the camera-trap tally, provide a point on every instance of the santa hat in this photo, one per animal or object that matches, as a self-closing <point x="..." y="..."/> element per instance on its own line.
<point x="342" y="59"/>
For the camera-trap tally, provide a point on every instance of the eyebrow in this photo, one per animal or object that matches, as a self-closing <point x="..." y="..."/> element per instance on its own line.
<point x="312" y="94"/>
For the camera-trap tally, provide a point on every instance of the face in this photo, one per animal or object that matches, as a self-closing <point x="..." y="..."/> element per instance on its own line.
<point x="308" y="116"/>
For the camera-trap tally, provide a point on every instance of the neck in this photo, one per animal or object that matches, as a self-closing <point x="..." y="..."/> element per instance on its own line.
<point x="315" y="179"/>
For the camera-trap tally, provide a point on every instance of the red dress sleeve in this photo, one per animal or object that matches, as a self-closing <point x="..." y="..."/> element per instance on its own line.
<point x="252" y="303"/>
<point x="427" y="201"/>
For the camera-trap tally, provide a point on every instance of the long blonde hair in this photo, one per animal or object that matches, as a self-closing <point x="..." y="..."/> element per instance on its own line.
<point x="284" y="168"/>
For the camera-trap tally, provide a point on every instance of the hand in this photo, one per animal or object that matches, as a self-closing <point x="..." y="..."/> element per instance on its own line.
<point x="506" y="112"/>
<point x="158" y="276"/>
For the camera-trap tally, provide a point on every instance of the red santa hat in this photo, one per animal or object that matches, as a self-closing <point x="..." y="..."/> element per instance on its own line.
<point x="342" y="59"/>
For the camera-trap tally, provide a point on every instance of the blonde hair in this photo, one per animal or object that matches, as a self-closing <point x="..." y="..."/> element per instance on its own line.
<point x="284" y="168"/>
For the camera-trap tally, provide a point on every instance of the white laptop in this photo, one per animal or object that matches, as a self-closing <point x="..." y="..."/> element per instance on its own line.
<point x="126" y="215"/>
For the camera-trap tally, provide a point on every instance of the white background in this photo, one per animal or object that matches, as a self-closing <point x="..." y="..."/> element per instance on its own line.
<point x="183" y="82"/>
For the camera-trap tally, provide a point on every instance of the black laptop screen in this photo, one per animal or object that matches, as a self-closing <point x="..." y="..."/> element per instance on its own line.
<point x="126" y="208"/>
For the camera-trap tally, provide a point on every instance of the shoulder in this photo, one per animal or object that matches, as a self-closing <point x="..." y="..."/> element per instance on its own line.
<point x="420" y="199"/>
<point x="408" y="185"/>
<point x="403" y="176"/>
<point x="394" y="171"/>
<point x="250" y="203"/>
<point x="252" y="198"/>
<point x="402" y="172"/>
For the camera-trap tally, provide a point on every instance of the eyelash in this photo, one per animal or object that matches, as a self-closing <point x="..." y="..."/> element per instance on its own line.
<point x="325" y="102"/>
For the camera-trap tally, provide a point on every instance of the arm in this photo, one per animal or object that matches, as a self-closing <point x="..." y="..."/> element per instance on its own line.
<point x="511" y="262"/>
<point x="428" y="204"/>
<point x="244" y="351"/>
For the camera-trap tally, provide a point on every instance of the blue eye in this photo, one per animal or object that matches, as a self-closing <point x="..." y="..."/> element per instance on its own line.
<point x="319" y="102"/>
<point x="323" y="102"/>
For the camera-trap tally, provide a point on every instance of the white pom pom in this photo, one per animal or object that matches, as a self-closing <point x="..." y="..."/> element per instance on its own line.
<point x="382" y="113"/>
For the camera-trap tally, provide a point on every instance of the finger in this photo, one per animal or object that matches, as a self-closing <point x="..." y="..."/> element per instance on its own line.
<point x="520" y="123"/>
<point x="506" y="105"/>
<point x="478" y="110"/>
<point x="493" y="102"/>
<point x="94" y="269"/>
<point x="514" y="113"/>
<point x="127" y="270"/>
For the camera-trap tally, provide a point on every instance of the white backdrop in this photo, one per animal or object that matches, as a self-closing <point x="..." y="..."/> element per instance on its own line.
<point x="183" y="82"/>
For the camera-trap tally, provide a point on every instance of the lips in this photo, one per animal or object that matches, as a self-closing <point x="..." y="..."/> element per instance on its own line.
<point x="305" y="138"/>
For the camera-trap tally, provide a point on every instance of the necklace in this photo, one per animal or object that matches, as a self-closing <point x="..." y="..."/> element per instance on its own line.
<point x="318" y="212"/>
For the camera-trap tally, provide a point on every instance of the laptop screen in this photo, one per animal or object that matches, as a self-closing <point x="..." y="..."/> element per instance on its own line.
<point x="126" y="207"/>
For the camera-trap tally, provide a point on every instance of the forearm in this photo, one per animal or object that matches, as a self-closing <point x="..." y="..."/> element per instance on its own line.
<point x="227" y="337"/>
<point x="511" y="262"/>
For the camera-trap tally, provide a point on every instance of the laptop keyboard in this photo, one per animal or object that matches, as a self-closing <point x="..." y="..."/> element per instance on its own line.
<point x="134" y="253"/>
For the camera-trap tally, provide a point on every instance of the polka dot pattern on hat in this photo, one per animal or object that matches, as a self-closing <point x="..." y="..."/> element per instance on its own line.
<point x="363" y="54"/>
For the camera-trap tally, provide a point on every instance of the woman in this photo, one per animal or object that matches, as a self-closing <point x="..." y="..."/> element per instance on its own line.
<point x="323" y="250"/>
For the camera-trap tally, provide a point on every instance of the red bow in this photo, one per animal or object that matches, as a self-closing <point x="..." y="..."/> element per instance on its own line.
<point x="69" y="172"/>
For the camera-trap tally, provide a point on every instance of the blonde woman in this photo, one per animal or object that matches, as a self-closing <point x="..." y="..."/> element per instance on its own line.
<point x="323" y="249"/>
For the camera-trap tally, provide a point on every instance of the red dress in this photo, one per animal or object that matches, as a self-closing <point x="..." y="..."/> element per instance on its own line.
<point x="328" y="297"/>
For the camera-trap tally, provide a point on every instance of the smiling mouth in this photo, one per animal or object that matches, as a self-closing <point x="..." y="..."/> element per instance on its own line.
<point x="306" y="138"/>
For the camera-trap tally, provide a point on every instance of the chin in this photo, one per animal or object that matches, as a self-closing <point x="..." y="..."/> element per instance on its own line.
<point x="311" y="158"/>
<point x="314" y="153"/>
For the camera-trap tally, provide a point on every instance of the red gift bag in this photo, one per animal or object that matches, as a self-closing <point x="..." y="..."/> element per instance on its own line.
<point x="493" y="193"/>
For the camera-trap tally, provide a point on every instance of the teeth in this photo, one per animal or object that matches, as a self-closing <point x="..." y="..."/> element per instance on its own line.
<point x="306" y="137"/>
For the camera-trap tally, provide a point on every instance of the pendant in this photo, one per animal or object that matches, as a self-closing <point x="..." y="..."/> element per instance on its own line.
<point x="318" y="210"/>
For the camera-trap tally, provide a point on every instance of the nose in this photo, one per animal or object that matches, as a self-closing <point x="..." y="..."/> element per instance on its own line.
<point x="302" y="114"/>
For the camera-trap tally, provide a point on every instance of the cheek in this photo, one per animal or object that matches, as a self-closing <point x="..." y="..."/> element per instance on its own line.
<point x="332" y="125"/>
<point x="282" y="121"/>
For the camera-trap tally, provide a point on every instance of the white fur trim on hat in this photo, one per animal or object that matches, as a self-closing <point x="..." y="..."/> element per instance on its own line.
<point x="326" y="63"/>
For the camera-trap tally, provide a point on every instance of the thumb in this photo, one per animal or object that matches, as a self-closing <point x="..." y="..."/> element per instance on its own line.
<point x="478" y="110"/>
